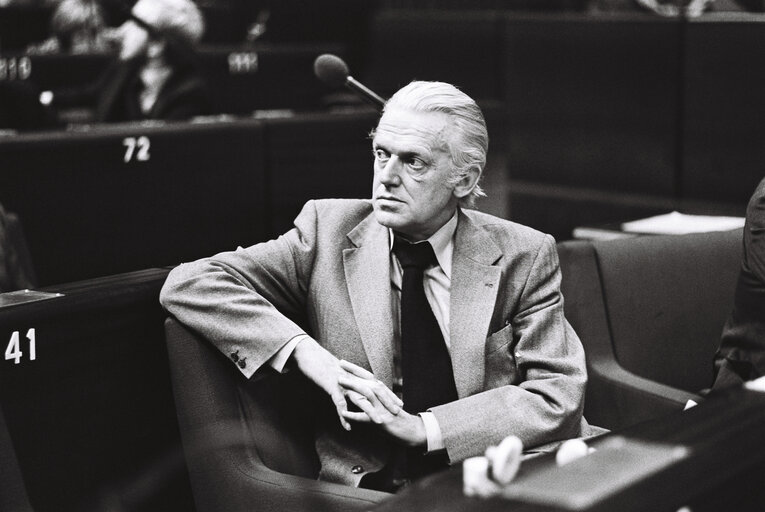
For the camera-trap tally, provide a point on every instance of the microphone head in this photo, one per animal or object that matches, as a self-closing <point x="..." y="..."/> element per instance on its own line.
<point x="331" y="70"/>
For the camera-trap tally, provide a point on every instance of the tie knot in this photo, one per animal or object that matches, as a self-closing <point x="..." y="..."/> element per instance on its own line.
<point x="418" y="255"/>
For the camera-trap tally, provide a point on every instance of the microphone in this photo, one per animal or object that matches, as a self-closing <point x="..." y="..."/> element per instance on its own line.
<point x="333" y="71"/>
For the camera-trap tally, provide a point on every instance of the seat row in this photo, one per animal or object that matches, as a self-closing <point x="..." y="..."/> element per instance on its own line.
<point x="100" y="391"/>
<point x="608" y="117"/>
<point x="605" y="118"/>
<point x="241" y="78"/>
<point x="125" y="197"/>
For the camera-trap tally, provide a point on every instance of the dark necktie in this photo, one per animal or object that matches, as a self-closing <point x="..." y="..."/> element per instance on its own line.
<point x="427" y="374"/>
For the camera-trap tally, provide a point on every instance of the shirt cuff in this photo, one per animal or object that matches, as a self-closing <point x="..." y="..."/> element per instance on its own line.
<point x="279" y="360"/>
<point x="432" y="432"/>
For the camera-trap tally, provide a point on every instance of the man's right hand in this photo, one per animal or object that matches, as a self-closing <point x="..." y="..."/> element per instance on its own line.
<point x="324" y="369"/>
<point x="321" y="367"/>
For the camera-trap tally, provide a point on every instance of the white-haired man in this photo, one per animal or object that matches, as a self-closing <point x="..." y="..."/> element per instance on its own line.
<point x="442" y="326"/>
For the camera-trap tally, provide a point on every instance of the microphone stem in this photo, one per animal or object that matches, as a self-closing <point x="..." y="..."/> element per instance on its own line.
<point x="367" y="93"/>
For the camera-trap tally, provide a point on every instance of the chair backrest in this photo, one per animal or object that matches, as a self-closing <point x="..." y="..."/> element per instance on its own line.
<point x="13" y="494"/>
<point x="667" y="299"/>
<point x="660" y="302"/>
<point x="19" y="271"/>
<point x="249" y="443"/>
<point x="227" y="420"/>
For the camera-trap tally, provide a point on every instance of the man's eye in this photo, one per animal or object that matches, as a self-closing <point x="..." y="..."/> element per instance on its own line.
<point x="380" y="155"/>
<point x="416" y="164"/>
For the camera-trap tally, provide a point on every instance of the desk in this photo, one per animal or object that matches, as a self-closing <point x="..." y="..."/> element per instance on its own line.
<point x="722" y="468"/>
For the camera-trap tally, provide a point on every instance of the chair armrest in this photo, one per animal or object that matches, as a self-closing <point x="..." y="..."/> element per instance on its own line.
<point x="243" y="484"/>
<point x="618" y="398"/>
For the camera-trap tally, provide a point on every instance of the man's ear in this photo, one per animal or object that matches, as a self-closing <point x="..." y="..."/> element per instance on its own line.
<point x="465" y="186"/>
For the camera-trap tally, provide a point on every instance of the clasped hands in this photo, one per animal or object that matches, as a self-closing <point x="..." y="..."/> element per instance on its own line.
<point x="377" y="403"/>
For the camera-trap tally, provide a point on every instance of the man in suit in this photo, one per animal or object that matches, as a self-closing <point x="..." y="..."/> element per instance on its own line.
<point x="331" y="299"/>
<point x="741" y="356"/>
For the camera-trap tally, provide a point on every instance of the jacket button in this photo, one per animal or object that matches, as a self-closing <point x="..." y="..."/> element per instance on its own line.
<point x="235" y="356"/>
<point x="242" y="363"/>
<point x="357" y="469"/>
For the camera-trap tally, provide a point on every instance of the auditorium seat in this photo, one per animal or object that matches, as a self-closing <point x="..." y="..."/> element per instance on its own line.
<point x="131" y="196"/>
<point x="649" y="311"/>
<point x="460" y="47"/>
<point x="593" y="100"/>
<point x="21" y="25"/>
<point x="244" y="78"/>
<point x="13" y="494"/>
<point x="85" y="390"/>
<point x="248" y="443"/>
<point x="313" y="156"/>
<point x="723" y="107"/>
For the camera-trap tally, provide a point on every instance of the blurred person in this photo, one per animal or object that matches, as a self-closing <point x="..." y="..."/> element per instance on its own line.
<point x="15" y="267"/>
<point x="156" y="75"/>
<point x="741" y="356"/>
<point x="434" y="330"/>
<point x="77" y="27"/>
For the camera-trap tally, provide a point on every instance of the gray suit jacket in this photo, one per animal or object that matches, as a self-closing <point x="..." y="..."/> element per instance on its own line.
<point x="518" y="365"/>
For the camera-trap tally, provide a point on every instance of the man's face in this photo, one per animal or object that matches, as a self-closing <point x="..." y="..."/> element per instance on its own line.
<point x="410" y="193"/>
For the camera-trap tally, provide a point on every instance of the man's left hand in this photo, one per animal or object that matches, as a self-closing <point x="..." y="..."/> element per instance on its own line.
<point x="363" y="389"/>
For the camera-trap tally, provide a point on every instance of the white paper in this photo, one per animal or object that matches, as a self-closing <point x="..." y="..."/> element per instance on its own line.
<point x="676" y="223"/>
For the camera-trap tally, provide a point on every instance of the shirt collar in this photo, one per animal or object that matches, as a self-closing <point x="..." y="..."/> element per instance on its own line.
<point x="442" y="242"/>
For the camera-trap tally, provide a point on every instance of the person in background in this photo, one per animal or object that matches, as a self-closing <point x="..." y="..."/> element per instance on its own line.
<point x="741" y="356"/>
<point x="156" y="76"/>
<point x="77" y="27"/>
<point x="16" y="271"/>
<point x="442" y="327"/>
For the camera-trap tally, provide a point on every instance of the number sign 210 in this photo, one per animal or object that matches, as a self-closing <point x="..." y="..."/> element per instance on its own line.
<point x="13" y="350"/>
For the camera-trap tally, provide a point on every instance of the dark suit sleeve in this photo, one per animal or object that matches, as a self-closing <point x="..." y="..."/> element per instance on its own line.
<point x="741" y="356"/>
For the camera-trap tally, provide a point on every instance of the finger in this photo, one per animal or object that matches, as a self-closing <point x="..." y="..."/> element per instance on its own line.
<point x="388" y="398"/>
<point x="356" y="370"/>
<point x="342" y="407"/>
<point x="360" y="386"/>
<point x="360" y="417"/>
<point x="365" y="405"/>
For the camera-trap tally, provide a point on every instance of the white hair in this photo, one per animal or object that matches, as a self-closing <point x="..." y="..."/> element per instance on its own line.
<point x="178" y="18"/>
<point x="466" y="120"/>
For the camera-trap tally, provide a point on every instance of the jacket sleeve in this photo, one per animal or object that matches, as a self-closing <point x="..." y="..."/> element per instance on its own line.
<point x="538" y="375"/>
<point x="247" y="302"/>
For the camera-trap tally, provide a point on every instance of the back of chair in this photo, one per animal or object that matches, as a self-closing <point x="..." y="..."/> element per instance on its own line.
<point x="13" y="494"/>
<point x="667" y="299"/>
<point x="249" y="443"/>
<point x="649" y="311"/>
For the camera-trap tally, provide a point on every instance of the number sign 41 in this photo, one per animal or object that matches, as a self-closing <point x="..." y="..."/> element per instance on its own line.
<point x="14" y="351"/>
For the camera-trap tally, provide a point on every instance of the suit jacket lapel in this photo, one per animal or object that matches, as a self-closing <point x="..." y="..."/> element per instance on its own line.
<point x="367" y="273"/>
<point x="473" y="293"/>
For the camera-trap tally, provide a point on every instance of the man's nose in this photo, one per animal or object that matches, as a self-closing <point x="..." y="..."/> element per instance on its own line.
<point x="389" y="174"/>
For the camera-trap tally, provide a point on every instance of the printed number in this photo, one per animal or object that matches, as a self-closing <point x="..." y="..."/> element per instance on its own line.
<point x="240" y="63"/>
<point x="136" y="148"/>
<point x="13" y="350"/>
<point x="15" y="68"/>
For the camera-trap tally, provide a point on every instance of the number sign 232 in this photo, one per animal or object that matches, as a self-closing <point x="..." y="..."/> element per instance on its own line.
<point x="14" y="351"/>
